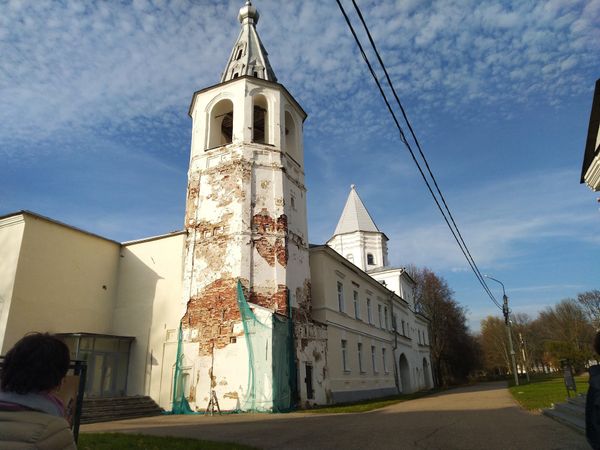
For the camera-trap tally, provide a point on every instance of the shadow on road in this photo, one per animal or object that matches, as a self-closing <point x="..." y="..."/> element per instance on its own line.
<point x="481" y="416"/>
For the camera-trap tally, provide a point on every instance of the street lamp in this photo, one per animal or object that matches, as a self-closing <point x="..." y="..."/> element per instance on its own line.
<point x="506" y="313"/>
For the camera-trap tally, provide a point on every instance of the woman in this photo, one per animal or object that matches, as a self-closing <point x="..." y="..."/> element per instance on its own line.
<point x="31" y="416"/>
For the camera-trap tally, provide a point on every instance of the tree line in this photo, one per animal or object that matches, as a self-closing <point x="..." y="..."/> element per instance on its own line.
<point x="564" y="331"/>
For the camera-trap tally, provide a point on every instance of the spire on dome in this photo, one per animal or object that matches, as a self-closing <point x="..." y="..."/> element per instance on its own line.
<point x="248" y="56"/>
<point x="355" y="216"/>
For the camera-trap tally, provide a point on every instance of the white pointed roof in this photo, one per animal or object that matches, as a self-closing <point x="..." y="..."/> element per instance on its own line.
<point x="355" y="216"/>
<point x="248" y="56"/>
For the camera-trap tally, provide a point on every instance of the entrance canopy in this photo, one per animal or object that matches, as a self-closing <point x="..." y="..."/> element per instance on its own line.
<point x="107" y="357"/>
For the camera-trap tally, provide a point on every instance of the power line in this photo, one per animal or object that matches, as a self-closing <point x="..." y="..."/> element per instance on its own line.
<point x="456" y="234"/>
<point x="470" y="257"/>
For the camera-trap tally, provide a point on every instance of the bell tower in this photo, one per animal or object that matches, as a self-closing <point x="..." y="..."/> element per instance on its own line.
<point x="357" y="238"/>
<point x="245" y="214"/>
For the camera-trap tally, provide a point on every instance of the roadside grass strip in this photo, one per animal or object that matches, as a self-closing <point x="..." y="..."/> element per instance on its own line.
<point x="542" y="393"/>
<point x="367" y="405"/>
<point x="122" y="441"/>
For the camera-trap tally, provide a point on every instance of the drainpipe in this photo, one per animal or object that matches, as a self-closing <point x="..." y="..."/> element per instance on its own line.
<point x="395" y="329"/>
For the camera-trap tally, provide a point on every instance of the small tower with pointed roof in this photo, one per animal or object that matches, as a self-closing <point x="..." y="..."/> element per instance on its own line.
<point x="245" y="215"/>
<point x="357" y="238"/>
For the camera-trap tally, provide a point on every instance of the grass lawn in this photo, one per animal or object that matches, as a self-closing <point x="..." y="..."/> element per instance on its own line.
<point x="542" y="392"/>
<point x="118" y="441"/>
<point x="367" y="405"/>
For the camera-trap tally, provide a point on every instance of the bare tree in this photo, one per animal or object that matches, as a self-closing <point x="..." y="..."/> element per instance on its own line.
<point x="590" y="301"/>
<point x="494" y="345"/>
<point x="454" y="351"/>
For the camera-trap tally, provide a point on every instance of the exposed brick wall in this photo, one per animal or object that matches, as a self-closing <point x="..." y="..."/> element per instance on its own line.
<point x="211" y="241"/>
<point x="271" y="237"/>
<point x="214" y="312"/>
<point x="277" y="300"/>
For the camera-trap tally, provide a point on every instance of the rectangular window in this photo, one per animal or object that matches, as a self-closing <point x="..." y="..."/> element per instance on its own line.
<point x="360" y="365"/>
<point x="384" y="359"/>
<point x="369" y="313"/>
<point x="385" y="316"/>
<point x="379" y="310"/>
<point x="403" y="332"/>
<point x="344" y="355"/>
<point x="340" y="294"/>
<point x="356" y="306"/>
<point x="373" y="359"/>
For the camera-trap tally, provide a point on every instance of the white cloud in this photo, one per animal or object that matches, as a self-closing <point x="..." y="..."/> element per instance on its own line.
<point x="69" y="66"/>
<point x="496" y="221"/>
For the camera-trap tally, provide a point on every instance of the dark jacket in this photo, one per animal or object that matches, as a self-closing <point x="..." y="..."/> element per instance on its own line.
<point x="592" y="409"/>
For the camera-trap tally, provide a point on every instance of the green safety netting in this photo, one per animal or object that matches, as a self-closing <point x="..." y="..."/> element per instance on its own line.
<point x="180" y="403"/>
<point x="271" y="382"/>
<point x="271" y="377"/>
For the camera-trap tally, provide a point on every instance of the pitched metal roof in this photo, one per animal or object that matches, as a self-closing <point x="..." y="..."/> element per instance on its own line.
<point x="248" y="56"/>
<point x="355" y="216"/>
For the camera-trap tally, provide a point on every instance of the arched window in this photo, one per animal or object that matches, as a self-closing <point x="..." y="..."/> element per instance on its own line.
<point x="260" y="123"/>
<point x="370" y="259"/>
<point x="291" y="137"/>
<point x="221" y="124"/>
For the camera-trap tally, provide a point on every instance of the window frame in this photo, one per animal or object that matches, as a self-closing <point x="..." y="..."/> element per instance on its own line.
<point x="345" y="367"/>
<point x="385" y="317"/>
<point x="374" y="359"/>
<point x="340" y="295"/>
<point x="384" y="359"/>
<point x="360" y="364"/>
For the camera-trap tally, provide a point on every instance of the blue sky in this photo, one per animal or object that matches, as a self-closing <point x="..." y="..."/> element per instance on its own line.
<point x="94" y="129"/>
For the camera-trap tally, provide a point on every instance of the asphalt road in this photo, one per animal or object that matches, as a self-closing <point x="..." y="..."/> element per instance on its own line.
<point x="483" y="416"/>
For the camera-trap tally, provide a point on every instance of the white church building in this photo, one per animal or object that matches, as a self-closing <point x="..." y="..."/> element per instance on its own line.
<point x="164" y="316"/>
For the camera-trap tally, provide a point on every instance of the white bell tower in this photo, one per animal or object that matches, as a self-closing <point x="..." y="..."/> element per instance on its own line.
<point x="245" y="210"/>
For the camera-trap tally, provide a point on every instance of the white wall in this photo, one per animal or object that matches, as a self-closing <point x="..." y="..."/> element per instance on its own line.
<point x="66" y="282"/>
<point x="149" y="308"/>
<point x="11" y="236"/>
<point x="352" y="384"/>
<point x="356" y="246"/>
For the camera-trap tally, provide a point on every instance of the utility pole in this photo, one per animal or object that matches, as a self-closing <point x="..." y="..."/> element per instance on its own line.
<point x="506" y="312"/>
<point x="523" y="352"/>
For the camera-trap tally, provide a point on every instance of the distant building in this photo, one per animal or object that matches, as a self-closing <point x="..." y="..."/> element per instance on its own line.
<point x="164" y="317"/>
<point x="590" y="172"/>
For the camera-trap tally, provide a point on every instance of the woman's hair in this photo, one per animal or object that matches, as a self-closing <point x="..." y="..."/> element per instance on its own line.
<point x="38" y="362"/>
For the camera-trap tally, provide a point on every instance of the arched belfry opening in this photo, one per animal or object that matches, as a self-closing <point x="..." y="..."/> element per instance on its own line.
<point x="260" y="120"/>
<point x="221" y="124"/>
<point x="291" y="137"/>
<point x="370" y="259"/>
